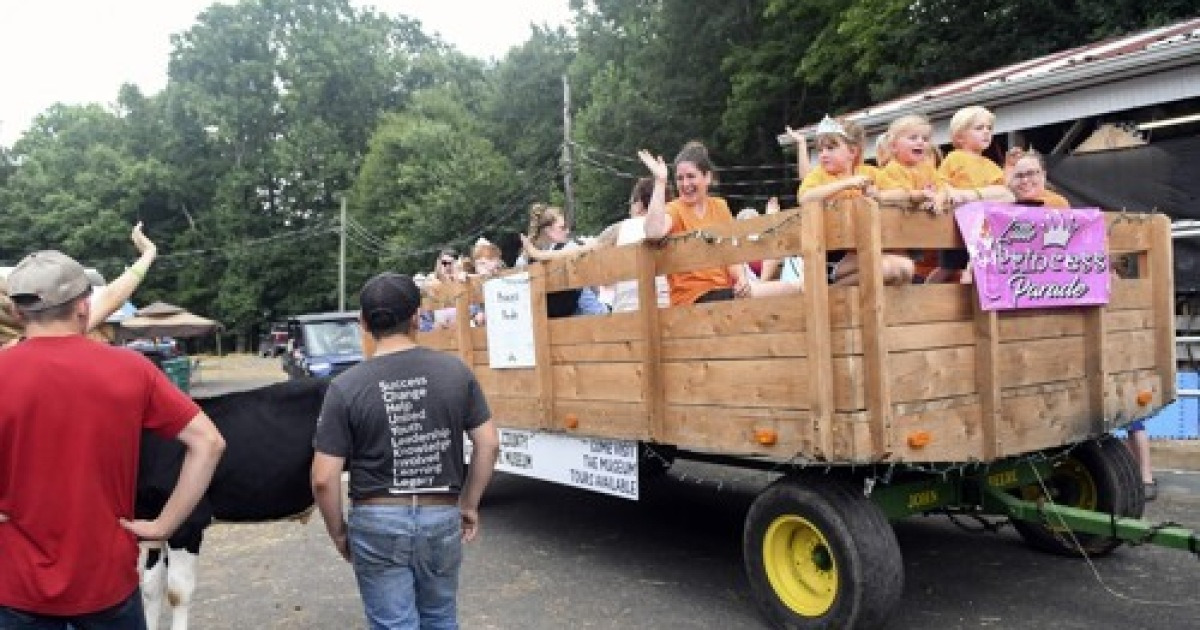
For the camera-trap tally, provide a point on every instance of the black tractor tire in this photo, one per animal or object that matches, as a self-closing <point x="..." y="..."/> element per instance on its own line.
<point x="1100" y="475"/>
<point x="819" y="554"/>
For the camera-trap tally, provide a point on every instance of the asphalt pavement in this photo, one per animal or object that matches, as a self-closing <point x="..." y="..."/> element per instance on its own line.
<point x="552" y="557"/>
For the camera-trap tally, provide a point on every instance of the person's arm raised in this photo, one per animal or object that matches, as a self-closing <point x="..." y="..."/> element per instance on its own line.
<point x="658" y="222"/>
<point x="113" y="296"/>
<point x="203" y="446"/>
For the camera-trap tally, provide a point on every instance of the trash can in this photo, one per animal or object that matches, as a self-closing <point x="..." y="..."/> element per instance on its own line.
<point x="179" y="370"/>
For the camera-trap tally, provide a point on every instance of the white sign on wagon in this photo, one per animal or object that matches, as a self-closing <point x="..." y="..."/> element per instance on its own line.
<point x="596" y="464"/>
<point x="509" y="322"/>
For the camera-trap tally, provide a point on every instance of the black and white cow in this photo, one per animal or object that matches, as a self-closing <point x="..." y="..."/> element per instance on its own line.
<point x="263" y="476"/>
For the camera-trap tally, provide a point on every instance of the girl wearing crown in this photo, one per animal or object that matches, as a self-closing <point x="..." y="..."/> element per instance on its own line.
<point x="841" y="174"/>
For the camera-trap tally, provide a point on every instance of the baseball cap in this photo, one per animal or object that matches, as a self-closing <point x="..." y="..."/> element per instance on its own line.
<point x="46" y="279"/>
<point x="389" y="299"/>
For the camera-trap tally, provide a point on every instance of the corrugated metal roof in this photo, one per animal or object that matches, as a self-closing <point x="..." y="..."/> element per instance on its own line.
<point x="1146" y="50"/>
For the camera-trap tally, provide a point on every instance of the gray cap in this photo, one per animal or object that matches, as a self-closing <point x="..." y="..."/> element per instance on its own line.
<point x="46" y="279"/>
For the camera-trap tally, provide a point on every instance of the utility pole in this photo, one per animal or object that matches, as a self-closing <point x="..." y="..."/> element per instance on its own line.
<point x="568" y="190"/>
<point x="342" y="258"/>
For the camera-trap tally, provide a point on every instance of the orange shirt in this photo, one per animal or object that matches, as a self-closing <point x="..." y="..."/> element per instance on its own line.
<point x="686" y="286"/>
<point x="821" y="177"/>
<point x="1051" y="199"/>
<point x="963" y="169"/>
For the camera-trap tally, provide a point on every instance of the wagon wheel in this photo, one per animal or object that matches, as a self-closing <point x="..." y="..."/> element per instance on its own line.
<point x="1100" y="475"/>
<point x="820" y="555"/>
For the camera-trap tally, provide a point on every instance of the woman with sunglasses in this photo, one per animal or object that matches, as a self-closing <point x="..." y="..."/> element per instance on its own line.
<point x="1027" y="181"/>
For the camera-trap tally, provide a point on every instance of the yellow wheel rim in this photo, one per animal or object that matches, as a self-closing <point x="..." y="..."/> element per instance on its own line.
<point x="800" y="565"/>
<point x="1070" y="485"/>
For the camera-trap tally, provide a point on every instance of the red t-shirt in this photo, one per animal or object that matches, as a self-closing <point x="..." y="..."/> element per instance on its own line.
<point x="71" y="415"/>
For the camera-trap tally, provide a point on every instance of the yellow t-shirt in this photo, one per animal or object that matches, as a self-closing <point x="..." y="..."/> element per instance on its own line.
<point x="897" y="176"/>
<point x="820" y="177"/>
<point x="687" y="286"/>
<point x="963" y="169"/>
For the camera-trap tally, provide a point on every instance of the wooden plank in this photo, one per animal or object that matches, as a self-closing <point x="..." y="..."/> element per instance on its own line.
<point x="596" y="329"/>
<point x="1128" y="232"/>
<point x="1041" y="361"/>
<point x="737" y="242"/>
<point x="910" y="337"/>
<point x="874" y="329"/>
<point x="1130" y="350"/>
<point x="731" y="430"/>
<point x="932" y="374"/>
<point x="543" y="362"/>
<point x="749" y="383"/>
<point x="1049" y="418"/>
<point x="814" y="302"/>
<point x="598" y="381"/>
<point x="1095" y="349"/>
<point x="462" y="327"/>
<point x="988" y="379"/>
<point x="592" y="268"/>
<point x="517" y="413"/>
<point x="652" y="385"/>
<point x="618" y="352"/>
<point x="1131" y="293"/>
<point x="445" y="340"/>
<point x="925" y="303"/>
<point x="953" y="433"/>
<point x="1128" y="320"/>
<point x="509" y="382"/>
<point x="761" y="315"/>
<point x="751" y="346"/>
<point x="1162" y="275"/>
<point x="613" y="419"/>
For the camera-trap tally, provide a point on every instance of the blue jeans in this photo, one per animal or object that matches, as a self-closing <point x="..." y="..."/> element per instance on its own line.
<point x="406" y="561"/>
<point x="126" y="615"/>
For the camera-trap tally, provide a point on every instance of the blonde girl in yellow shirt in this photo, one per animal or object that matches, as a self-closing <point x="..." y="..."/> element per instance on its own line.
<point x="841" y="174"/>
<point x="970" y="174"/>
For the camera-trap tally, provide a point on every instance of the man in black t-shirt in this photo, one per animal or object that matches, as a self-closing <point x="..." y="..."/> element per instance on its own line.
<point x="396" y="422"/>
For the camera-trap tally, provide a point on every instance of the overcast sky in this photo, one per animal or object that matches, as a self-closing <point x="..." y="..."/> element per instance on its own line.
<point x="81" y="51"/>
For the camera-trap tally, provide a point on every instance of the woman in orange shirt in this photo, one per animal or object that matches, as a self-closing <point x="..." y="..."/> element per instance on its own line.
<point x="693" y="210"/>
<point x="1027" y="180"/>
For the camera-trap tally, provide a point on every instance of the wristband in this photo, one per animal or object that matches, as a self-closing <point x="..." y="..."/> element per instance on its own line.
<point x="141" y="275"/>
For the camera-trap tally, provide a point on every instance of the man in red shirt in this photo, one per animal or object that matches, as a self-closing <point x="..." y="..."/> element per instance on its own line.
<point x="71" y="415"/>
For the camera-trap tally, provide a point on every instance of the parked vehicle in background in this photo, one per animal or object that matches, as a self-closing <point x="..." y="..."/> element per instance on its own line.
<point x="275" y="341"/>
<point x="322" y="344"/>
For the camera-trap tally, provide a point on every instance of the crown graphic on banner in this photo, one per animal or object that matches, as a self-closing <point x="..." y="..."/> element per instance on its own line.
<point x="1058" y="230"/>
<point x="829" y="125"/>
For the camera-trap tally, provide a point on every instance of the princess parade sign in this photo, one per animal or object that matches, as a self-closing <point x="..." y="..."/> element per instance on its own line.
<point x="1035" y="257"/>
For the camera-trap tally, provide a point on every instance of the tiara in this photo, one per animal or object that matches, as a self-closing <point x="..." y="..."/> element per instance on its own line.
<point x="829" y="125"/>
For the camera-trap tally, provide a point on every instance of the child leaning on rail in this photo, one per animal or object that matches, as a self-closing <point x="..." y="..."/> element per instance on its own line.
<point x="970" y="174"/>
<point x="911" y="176"/>
<point x="841" y="174"/>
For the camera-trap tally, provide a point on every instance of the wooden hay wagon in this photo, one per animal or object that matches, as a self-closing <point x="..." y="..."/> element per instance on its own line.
<point x="876" y="384"/>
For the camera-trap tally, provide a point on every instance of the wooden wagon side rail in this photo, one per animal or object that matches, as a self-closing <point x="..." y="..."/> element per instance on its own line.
<point x="843" y="374"/>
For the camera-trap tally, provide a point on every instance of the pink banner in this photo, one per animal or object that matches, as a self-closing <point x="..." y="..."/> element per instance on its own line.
<point x="1035" y="257"/>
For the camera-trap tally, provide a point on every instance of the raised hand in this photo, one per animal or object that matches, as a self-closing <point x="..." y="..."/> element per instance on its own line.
<point x="796" y="136"/>
<point x="655" y="164"/>
<point x="140" y="241"/>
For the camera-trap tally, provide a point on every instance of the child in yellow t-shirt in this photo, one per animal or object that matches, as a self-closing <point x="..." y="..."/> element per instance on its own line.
<point x="970" y="174"/>
<point x="912" y="176"/>
<point x="841" y="174"/>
